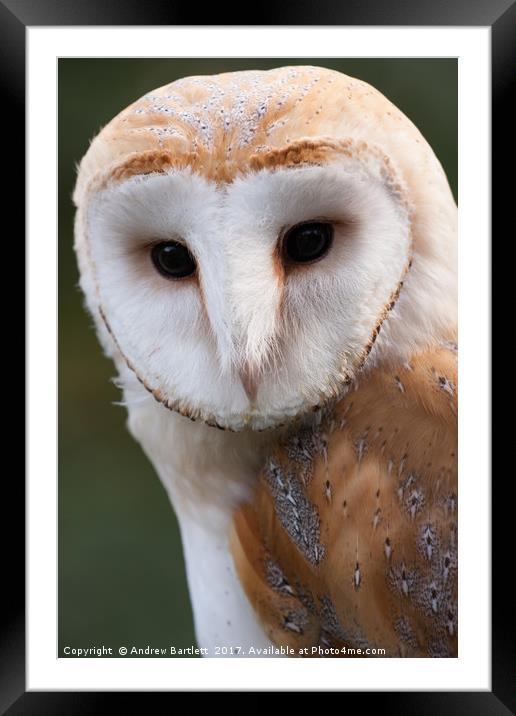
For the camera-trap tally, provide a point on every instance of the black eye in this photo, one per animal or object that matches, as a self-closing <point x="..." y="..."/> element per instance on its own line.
<point x="307" y="242"/>
<point x="173" y="259"/>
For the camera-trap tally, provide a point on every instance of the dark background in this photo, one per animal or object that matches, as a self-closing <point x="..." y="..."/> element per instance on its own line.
<point x="121" y="571"/>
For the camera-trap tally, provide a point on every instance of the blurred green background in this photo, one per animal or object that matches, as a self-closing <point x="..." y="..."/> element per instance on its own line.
<point x="121" y="571"/>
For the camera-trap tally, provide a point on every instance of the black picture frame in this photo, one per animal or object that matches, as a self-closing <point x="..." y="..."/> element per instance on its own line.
<point x="15" y="17"/>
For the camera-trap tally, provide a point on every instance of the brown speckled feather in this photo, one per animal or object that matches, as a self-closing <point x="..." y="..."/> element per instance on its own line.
<point x="351" y="537"/>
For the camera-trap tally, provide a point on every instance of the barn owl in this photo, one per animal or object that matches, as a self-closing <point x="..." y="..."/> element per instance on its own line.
<point x="270" y="261"/>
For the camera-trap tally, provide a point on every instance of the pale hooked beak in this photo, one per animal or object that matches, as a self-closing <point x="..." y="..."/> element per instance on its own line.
<point x="248" y="377"/>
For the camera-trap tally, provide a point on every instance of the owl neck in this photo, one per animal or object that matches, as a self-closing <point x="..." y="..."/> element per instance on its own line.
<point x="206" y="472"/>
<point x="201" y="467"/>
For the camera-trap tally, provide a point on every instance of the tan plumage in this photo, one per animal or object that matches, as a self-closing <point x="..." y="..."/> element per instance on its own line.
<point x="351" y="537"/>
<point x="220" y="124"/>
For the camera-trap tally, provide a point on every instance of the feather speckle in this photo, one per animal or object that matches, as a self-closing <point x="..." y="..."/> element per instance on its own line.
<point x="297" y="515"/>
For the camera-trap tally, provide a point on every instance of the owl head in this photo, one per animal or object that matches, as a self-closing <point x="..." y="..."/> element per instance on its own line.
<point x="249" y="242"/>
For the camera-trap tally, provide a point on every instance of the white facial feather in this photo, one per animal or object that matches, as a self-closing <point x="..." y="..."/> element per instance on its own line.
<point x="302" y="333"/>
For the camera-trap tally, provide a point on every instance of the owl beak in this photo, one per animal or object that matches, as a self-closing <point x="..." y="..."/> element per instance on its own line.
<point x="249" y="381"/>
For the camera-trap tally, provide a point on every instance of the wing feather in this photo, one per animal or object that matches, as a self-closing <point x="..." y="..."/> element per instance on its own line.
<point x="350" y="540"/>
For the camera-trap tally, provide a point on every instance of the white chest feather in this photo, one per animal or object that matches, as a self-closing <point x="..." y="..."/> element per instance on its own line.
<point x="206" y="473"/>
<point x="225" y="623"/>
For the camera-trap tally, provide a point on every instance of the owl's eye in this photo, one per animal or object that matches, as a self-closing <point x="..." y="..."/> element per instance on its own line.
<point x="173" y="259"/>
<point x="307" y="242"/>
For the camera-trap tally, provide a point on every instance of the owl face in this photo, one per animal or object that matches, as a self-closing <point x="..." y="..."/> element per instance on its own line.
<point x="249" y="302"/>
<point x="243" y="289"/>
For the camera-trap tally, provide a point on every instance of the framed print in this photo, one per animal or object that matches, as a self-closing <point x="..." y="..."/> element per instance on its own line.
<point x="258" y="356"/>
